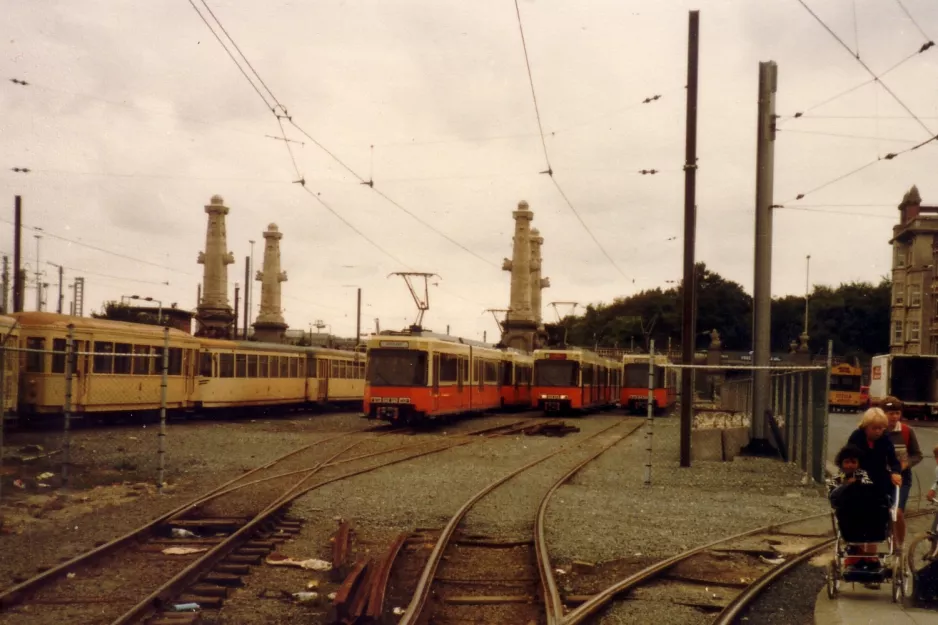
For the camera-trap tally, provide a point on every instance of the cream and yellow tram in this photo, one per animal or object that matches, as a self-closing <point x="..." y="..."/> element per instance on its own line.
<point x="244" y="374"/>
<point x="335" y="376"/>
<point x="117" y="366"/>
<point x="9" y="341"/>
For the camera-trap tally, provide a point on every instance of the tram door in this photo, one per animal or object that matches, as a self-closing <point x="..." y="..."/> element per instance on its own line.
<point x="435" y="394"/>
<point x="322" y="373"/>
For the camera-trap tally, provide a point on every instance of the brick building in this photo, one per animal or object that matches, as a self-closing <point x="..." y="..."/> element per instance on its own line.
<point x="913" y="324"/>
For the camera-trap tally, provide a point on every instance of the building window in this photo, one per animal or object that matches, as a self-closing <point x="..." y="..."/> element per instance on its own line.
<point x="913" y="331"/>
<point x="899" y="256"/>
<point x="899" y="293"/>
<point x="915" y="295"/>
<point x="897" y="332"/>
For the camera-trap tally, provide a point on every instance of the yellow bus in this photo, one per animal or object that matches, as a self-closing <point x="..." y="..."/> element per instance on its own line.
<point x="844" y="394"/>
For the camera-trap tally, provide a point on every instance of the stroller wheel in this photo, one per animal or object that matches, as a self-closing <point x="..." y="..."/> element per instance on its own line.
<point x="898" y="583"/>
<point x="833" y="580"/>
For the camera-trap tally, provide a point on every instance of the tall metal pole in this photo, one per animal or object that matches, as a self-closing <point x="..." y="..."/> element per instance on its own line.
<point x="762" y="286"/>
<point x="688" y="331"/>
<point x="6" y="284"/>
<point x="651" y="410"/>
<point x="249" y="290"/>
<point x="38" y="275"/>
<point x="234" y="334"/>
<point x="807" y="291"/>
<point x="162" y="434"/>
<point x="248" y="287"/>
<point x="358" y="318"/>
<point x="61" y="294"/>
<point x="17" y="255"/>
<point x="70" y="361"/>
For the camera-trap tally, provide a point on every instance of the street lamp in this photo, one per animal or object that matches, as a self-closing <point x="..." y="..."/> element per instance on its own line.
<point x="159" y="315"/>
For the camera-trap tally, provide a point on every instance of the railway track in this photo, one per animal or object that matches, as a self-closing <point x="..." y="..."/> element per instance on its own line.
<point x="131" y="579"/>
<point x="475" y="577"/>
<point x="723" y="577"/>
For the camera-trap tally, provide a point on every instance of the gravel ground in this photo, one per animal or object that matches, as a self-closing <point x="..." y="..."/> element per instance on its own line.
<point x="420" y="493"/>
<point x="108" y="496"/>
<point x="616" y="516"/>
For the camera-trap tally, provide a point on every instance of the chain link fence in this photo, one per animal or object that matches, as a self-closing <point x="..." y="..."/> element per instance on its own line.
<point x="796" y="419"/>
<point x="48" y="378"/>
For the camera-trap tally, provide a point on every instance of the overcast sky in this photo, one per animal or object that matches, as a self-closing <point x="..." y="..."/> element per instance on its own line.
<point x="135" y="116"/>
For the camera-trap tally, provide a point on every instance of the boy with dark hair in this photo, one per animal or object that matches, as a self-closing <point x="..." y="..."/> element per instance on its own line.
<point x="909" y="453"/>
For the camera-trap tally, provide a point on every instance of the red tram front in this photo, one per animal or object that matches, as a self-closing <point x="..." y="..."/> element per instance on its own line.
<point x="573" y="381"/>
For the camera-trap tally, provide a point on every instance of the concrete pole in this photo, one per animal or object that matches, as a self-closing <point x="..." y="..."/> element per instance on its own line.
<point x="17" y="255"/>
<point x="6" y="284"/>
<point x="689" y="331"/>
<point x="61" y="294"/>
<point x="38" y="275"/>
<point x="807" y="290"/>
<point x="762" y="287"/>
<point x="358" y="318"/>
<point x="247" y="295"/>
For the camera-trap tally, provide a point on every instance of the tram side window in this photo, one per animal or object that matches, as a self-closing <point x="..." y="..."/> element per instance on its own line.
<point x="205" y="365"/>
<point x="35" y="361"/>
<point x="226" y="367"/>
<point x="262" y="362"/>
<point x="122" y="358"/>
<point x="175" y="361"/>
<point x="334" y="369"/>
<point x="252" y="365"/>
<point x="301" y="367"/>
<point x="275" y="366"/>
<point x="241" y="364"/>
<point x="491" y="372"/>
<point x="58" y="355"/>
<point x="294" y="367"/>
<point x="103" y="357"/>
<point x="465" y="369"/>
<point x="141" y="360"/>
<point x="449" y="368"/>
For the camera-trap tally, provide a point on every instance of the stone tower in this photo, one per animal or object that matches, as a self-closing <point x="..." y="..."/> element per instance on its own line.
<point x="537" y="285"/>
<point x="520" y="325"/>
<point x="215" y="315"/>
<point x="270" y="326"/>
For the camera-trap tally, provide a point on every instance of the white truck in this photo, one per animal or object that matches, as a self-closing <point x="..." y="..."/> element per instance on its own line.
<point x="909" y="378"/>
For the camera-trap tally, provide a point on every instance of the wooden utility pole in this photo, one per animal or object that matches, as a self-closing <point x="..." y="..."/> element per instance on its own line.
<point x="18" y="281"/>
<point x="689" y="317"/>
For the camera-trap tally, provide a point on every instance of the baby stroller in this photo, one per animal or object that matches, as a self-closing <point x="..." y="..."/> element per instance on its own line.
<point x="861" y="515"/>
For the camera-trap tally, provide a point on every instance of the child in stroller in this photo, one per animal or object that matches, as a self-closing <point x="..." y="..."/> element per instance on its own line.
<point x="862" y="520"/>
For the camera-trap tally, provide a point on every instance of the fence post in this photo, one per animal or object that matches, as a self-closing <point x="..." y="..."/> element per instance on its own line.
<point x="800" y="435"/>
<point x="826" y="413"/>
<point x="651" y="410"/>
<point x="791" y="428"/>
<point x="67" y="408"/>
<point x="3" y="412"/>
<point x="162" y="436"/>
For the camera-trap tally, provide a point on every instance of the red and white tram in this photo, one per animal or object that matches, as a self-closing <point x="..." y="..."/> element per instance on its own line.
<point x="574" y="380"/>
<point x="416" y="377"/>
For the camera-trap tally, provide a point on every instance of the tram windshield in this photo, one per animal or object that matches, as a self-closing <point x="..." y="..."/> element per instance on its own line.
<point x="556" y="373"/>
<point x="397" y="367"/>
<point x="636" y="375"/>
<point x="845" y="383"/>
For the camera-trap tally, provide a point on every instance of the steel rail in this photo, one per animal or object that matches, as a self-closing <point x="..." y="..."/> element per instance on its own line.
<point x="415" y="607"/>
<point x="188" y="575"/>
<point x="11" y="596"/>
<point x="598" y="601"/>
<point x="552" y="602"/>
<point x="745" y="598"/>
<point x="332" y="462"/>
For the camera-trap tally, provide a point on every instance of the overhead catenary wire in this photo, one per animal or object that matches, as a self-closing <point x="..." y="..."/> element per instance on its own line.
<point x="912" y="19"/>
<point x="283" y="114"/>
<point x="550" y="171"/>
<point x="850" y="90"/>
<point x="886" y="157"/>
<point x="99" y="249"/>
<point x="867" y="68"/>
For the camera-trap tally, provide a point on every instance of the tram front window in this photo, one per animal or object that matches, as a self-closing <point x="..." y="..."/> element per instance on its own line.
<point x="397" y="367"/>
<point x="556" y="373"/>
